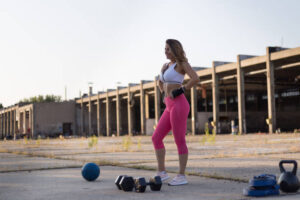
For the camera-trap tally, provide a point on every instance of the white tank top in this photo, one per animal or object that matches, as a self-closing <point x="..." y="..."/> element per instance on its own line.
<point x="171" y="75"/>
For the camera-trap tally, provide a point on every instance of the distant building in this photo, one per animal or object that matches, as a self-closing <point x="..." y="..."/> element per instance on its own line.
<point x="38" y="119"/>
<point x="252" y="94"/>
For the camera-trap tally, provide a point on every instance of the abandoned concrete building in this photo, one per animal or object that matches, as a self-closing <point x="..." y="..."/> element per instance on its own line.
<point x="38" y="119"/>
<point x="252" y="94"/>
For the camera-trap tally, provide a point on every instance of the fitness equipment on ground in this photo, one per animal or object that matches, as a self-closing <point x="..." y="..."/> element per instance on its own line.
<point x="262" y="185"/>
<point x="288" y="181"/>
<point x="127" y="183"/>
<point x="155" y="184"/>
<point x="90" y="171"/>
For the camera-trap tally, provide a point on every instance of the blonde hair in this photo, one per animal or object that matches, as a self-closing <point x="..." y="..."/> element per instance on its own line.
<point x="177" y="50"/>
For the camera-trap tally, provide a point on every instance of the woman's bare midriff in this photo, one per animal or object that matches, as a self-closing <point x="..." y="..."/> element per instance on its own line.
<point x="169" y="87"/>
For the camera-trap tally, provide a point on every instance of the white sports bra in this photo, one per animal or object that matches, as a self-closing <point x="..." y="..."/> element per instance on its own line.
<point x="171" y="75"/>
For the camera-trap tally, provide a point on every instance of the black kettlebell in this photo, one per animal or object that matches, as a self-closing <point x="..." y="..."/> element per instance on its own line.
<point x="288" y="181"/>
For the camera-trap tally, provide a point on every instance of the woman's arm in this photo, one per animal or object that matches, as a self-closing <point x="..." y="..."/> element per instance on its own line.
<point x="160" y="85"/>
<point x="194" y="79"/>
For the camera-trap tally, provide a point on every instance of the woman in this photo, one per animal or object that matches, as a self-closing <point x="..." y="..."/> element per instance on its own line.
<point x="177" y="109"/>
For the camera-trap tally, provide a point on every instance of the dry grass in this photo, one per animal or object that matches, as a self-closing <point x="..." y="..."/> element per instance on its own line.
<point x="212" y="147"/>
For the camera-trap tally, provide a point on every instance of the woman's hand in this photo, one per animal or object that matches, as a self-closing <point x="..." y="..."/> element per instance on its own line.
<point x="163" y="97"/>
<point x="171" y="95"/>
<point x="177" y="92"/>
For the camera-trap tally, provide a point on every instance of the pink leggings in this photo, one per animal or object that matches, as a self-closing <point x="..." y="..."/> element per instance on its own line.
<point x="174" y="117"/>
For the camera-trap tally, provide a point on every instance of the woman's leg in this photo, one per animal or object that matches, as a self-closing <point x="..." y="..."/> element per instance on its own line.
<point x="162" y="129"/>
<point x="178" y="117"/>
<point x="183" y="158"/>
<point x="160" y="156"/>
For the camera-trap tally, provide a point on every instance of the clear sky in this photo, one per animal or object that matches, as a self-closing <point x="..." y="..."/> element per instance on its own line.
<point x="47" y="45"/>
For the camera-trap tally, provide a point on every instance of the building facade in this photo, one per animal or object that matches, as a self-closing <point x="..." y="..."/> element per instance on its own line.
<point x="252" y="94"/>
<point x="38" y="119"/>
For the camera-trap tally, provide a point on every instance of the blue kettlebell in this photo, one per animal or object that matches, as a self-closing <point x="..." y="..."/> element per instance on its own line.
<point x="90" y="171"/>
<point x="288" y="181"/>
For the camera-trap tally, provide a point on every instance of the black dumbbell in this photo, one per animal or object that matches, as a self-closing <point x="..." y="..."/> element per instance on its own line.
<point x="155" y="184"/>
<point x="118" y="180"/>
<point x="125" y="183"/>
<point x="140" y="184"/>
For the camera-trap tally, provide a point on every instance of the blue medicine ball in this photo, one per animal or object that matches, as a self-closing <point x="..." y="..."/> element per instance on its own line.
<point x="90" y="171"/>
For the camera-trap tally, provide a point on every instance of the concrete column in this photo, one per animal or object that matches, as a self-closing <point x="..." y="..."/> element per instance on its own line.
<point x="194" y="112"/>
<point x="98" y="116"/>
<point x="241" y="96"/>
<point x="142" y="107"/>
<point x="215" y="94"/>
<point x="6" y="124"/>
<point x="118" y="112"/>
<point x="82" y="116"/>
<point x="19" y="121"/>
<point x="90" y="116"/>
<point x="1" y="125"/>
<point x="271" y="92"/>
<point x="14" y="121"/>
<point x="10" y="123"/>
<point x="31" y="121"/>
<point x="107" y="115"/>
<point x="13" y="124"/>
<point x="24" y="122"/>
<point x="129" y="99"/>
<point x="147" y="113"/>
<point x="157" y="100"/>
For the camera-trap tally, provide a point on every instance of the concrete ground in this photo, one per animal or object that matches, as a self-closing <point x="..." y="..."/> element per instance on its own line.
<point x="218" y="167"/>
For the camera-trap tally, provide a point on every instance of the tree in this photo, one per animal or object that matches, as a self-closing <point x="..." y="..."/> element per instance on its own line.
<point x="41" y="98"/>
<point x="1" y="106"/>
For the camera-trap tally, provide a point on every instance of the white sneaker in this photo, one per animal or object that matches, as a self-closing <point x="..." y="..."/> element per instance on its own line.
<point x="178" y="180"/>
<point x="163" y="175"/>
